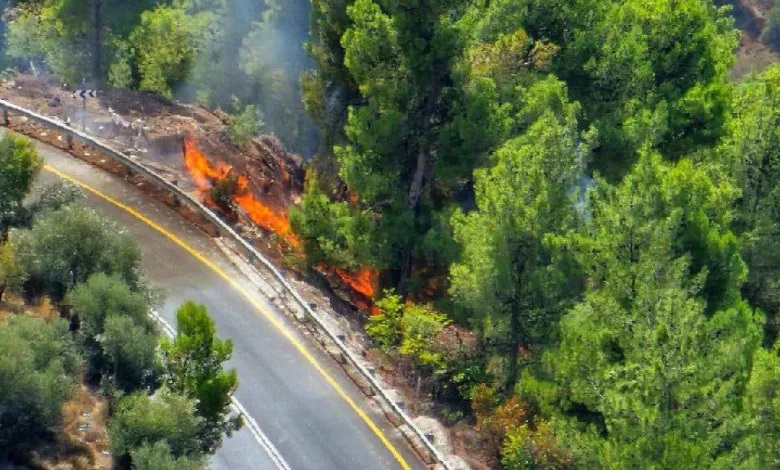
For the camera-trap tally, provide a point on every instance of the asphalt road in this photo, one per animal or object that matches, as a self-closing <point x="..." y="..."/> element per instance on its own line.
<point x="303" y="414"/>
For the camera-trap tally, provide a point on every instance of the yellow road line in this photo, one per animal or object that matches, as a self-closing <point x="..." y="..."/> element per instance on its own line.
<point x="259" y="307"/>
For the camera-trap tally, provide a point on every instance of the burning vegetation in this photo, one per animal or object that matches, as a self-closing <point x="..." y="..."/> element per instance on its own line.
<point x="233" y="189"/>
<point x="219" y="187"/>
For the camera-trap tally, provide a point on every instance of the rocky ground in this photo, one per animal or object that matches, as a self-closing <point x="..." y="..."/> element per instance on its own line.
<point x="750" y="18"/>
<point x="153" y="129"/>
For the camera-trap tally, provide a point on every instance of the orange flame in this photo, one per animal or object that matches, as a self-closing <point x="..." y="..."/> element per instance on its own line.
<point x="205" y="175"/>
<point x="362" y="281"/>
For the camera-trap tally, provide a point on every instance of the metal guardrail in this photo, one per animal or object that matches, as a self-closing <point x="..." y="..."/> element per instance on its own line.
<point x="226" y="230"/>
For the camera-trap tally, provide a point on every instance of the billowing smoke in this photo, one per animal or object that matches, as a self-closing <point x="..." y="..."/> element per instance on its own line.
<point x="249" y="53"/>
<point x="253" y="54"/>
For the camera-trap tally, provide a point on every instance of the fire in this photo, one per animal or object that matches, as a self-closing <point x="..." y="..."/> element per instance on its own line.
<point x="264" y="216"/>
<point x="201" y="170"/>
<point x="205" y="175"/>
<point x="362" y="281"/>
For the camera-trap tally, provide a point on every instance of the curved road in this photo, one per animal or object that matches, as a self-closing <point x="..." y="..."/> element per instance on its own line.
<point x="316" y="420"/>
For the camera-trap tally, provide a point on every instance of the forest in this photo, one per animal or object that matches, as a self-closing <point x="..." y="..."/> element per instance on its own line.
<point x="580" y="188"/>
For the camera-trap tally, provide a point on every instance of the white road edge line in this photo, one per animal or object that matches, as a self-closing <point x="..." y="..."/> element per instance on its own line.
<point x="237" y="407"/>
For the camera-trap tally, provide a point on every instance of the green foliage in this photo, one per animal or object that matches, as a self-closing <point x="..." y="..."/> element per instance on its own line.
<point x="524" y="449"/>
<point x="54" y="33"/>
<point x="385" y="329"/>
<point x="401" y="67"/>
<point x="67" y="246"/>
<point x="38" y="365"/>
<point x="143" y="420"/>
<point x="54" y="196"/>
<point x="653" y="72"/>
<point x="129" y="351"/>
<point x="749" y="152"/>
<point x="193" y="363"/>
<point x="331" y="231"/>
<point x="244" y="125"/>
<point x="158" y="456"/>
<point x="329" y="89"/>
<point x="254" y="51"/>
<point x="165" y="49"/>
<point x="511" y="274"/>
<point x="11" y="275"/>
<point x="102" y="296"/>
<point x="497" y="420"/>
<point x="114" y="325"/>
<point x="19" y="164"/>
<point x="120" y="72"/>
<point x="272" y="56"/>
<point x="421" y="325"/>
<point x="620" y="317"/>
<point x="761" y="446"/>
<point x="410" y="329"/>
<point x="662" y="322"/>
<point x="771" y="33"/>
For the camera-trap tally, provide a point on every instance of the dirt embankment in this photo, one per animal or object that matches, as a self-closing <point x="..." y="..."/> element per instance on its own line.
<point x="753" y="55"/>
<point x="153" y="129"/>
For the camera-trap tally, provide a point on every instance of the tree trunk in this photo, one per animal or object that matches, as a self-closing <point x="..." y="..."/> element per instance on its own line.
<point x="417" y="181"/>
<point x="514" y="346"/>
<point x="2" y="291"/>
<point x="97" y="25"/>
<point x="415" y="192"/>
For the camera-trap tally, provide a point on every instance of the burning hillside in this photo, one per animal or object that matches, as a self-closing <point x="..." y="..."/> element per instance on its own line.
<point x="206" y="176"/>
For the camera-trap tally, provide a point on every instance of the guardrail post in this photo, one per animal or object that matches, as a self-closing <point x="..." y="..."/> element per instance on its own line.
<point x="6" y="122"/>
<point x="69" y="141"/>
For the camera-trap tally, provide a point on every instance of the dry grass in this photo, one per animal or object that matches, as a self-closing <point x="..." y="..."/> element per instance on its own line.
<point x="13" y="305"/>
<point x="83" y="442"/>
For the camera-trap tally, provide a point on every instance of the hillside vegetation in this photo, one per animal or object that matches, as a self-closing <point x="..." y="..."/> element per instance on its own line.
<point x="572" y="206"/>
<point x="588" y="191"/>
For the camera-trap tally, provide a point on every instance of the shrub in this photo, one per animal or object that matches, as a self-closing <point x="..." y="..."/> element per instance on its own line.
<point x="19" y="164"/>
<point x="129" y="352"/>
<point x="771" y="33"/>
<point x="54" y="196"/>
<point x="67" y="246"/>
<point x="165" y="45"/>
<point x="411" y="328"/>
<point x="167" y="416"/>
<point x="385" y="329"/>
<point x="495" y="420"/>
<point x="524" y="448"/>
<point x="102" y="296"/>
<point x="158" y="456"/>
<point x="420" y="325"/>
<point x="243" y="125"/>
<point x="38" y="365"/>
<point x="11" y="274"/>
